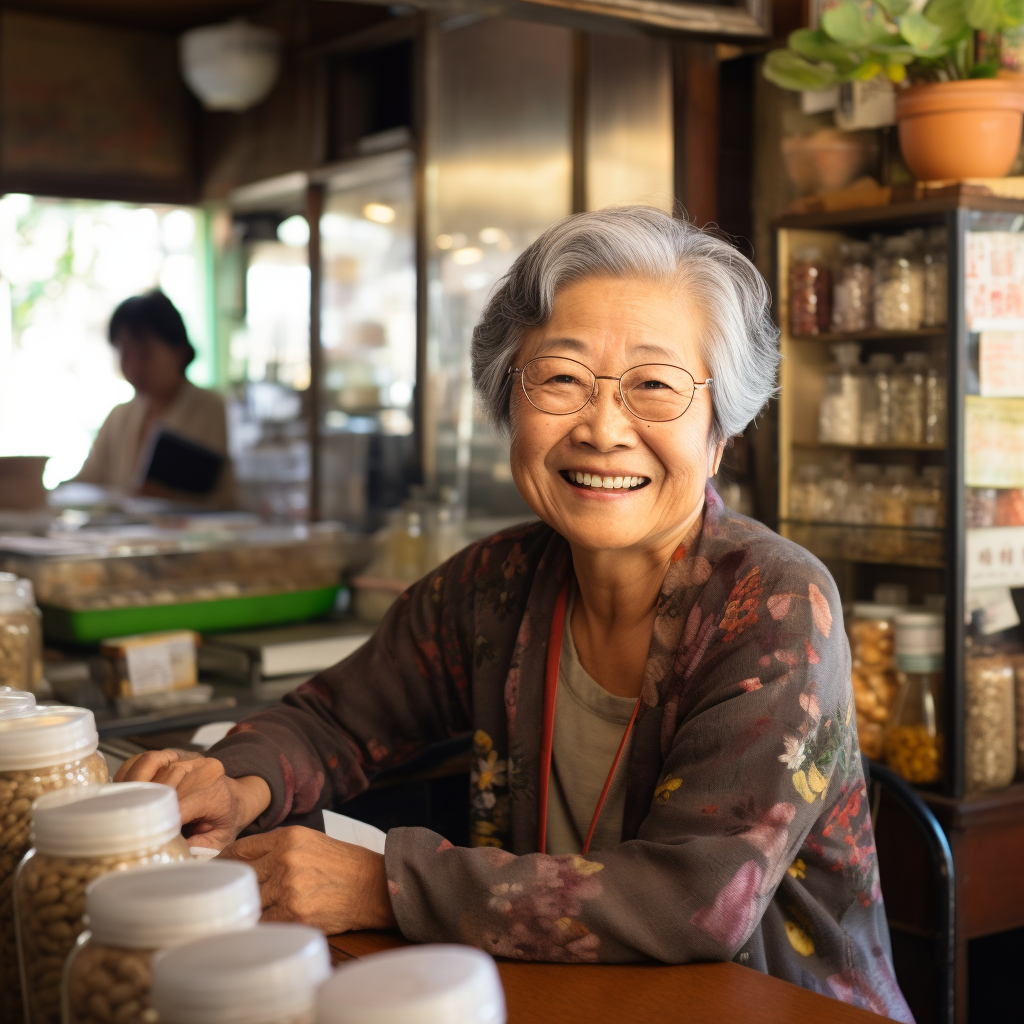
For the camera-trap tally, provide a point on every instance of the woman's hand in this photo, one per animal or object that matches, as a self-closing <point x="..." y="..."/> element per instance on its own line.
<point x="215" y="806"/>
<point x="306" y="877"/>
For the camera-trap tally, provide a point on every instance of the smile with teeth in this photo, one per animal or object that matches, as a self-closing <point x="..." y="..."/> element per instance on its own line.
<point x="595" y="482"/>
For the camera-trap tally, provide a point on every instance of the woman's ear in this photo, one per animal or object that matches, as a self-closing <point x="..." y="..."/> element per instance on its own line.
<point x="716" y="458"/>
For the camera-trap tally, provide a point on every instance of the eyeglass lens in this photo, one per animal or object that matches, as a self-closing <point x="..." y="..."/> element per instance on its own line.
<point x="653" y="391"/>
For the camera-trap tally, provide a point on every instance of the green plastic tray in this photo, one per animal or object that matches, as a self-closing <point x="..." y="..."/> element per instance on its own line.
<point x="202" y="616"/>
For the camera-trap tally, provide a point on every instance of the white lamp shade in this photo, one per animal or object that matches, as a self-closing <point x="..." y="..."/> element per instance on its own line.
<point x="231" y="66"/>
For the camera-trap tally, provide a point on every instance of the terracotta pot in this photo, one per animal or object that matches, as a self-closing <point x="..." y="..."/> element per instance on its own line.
<point x="955" y="130"/>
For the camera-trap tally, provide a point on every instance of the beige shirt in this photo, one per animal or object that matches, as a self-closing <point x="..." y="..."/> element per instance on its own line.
<point x="117" y="455"/>
<point x="589" y="723"/>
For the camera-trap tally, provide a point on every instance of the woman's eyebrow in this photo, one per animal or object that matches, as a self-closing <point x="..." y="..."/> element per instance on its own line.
<point x="571" y="343"/>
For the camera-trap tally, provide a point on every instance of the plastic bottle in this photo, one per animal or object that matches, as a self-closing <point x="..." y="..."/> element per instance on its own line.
<point x="839" y="415"/>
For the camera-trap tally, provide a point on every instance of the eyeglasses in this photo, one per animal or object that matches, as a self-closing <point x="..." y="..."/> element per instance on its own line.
<point x="651" y="391"/>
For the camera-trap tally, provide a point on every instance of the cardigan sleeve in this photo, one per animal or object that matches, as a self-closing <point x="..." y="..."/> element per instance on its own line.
<point x="403" y="690"/>
<point x="766" y="737"/>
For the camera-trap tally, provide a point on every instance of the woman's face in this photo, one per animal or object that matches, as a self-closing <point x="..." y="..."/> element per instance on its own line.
<point x="609" y="325"/>
<point x="149" y="364"/>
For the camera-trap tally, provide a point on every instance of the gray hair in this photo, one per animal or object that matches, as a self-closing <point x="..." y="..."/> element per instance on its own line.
<point x="741" y="342"/>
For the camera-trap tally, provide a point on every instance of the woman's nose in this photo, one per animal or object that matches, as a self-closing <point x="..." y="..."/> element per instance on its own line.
<point x="606" y="423"/>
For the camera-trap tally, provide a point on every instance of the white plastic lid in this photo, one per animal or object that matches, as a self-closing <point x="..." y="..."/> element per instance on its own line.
<point x="920" y="634"/>
<point x="116" y="817"/>
<point x="15" y="702"/>
<point x="157" y="907"/>
<point x="16" y="595"/>
<point x="874" y="610"/>
<point x="259" y="976"/>
<point x="44" y="736"/>
<point x="418" y="985"/>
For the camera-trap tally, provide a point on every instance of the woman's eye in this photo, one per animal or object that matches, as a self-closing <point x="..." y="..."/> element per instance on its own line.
<point x="653" y="385"/>
<point x="562" y="378"/>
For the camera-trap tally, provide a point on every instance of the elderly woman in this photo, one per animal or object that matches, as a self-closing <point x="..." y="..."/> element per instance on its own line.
<point x="658" y="689"/>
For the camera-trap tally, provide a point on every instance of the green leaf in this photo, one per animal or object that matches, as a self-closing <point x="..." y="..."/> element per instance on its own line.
<point x="847" y="23"/>
<point x="984" y="69"/>
<point x="923" y="35"/>
<point x="895" y="8"/>
<point x="950" y="16"/>
<point x="816" y="46"/>
<point x="984" y="15"/>
<point x="791" y="71"/>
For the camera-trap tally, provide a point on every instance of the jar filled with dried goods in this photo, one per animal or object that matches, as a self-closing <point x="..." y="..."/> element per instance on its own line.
<point x="79" y="835"/>
<point x="936" y="279"/>
<point x="21" y="634"/>
<point x="908" y="399"/>
<point x="981" y="506"/>
<point x="876" y="399"/>
<point x="853" y="293"/>
<point x="914" y="742"/>
<point x="872" y="644"/>
<point x="132" y="915"/>
<point x="810" y="292"/>
<point x="839" y="414"/>
<point x="990" y="741"/>
<point x="899" y="286"/>
<point x="15" y="702"/>
<point x="806" y="494"/>
<point x="41" y="750"/>
<point x="263" y="975"/>
<point x="934" y="405"/>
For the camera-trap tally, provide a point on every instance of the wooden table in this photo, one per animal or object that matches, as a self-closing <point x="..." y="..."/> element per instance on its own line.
<point x="612" y="994"/>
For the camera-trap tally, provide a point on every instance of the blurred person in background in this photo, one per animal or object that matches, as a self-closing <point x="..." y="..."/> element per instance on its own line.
<point x="154" y="351"/>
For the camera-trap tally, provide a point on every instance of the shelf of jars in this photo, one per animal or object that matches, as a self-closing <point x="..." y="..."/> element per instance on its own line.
<point x="901" y="464"/>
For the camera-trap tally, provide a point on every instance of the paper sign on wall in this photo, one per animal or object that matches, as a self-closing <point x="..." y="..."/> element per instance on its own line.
<point x="1001" y="364"/>
<point x="994" y="442"/>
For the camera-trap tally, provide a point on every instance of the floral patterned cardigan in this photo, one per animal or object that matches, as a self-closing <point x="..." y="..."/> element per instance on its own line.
<point x="746" y="833"/>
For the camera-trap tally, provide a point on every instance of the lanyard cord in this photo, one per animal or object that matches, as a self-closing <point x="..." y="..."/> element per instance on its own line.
<point x="554" y="656"/>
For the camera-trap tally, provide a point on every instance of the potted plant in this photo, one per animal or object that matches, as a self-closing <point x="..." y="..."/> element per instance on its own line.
<point x="957" y="117"/>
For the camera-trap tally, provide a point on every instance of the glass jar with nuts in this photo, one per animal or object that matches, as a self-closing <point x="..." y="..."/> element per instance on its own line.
<point x="132" y="915"/>
<point x="79" y="836"/>
<point x="874" y="672"/>
<point x="263" y="975"/>
<point x="21" y="634"/>
<point x="41" y="750"/>
<point x="990" y="760"/>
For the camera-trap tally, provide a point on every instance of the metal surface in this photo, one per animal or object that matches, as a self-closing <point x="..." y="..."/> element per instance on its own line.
<point x="628" y="121"/>
<point x="501" y="172"/>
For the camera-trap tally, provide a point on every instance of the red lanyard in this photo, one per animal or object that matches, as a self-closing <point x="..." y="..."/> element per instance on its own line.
<point x="547" y="736"/>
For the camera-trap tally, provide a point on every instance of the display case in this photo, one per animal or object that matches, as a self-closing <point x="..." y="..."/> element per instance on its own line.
<point x="99" y="583"/>
<point x="901" y="461"/>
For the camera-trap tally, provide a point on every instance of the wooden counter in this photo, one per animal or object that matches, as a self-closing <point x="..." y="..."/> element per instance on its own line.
<point x="611" y="994"/>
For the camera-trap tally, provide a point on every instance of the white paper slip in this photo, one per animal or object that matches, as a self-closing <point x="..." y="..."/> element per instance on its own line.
<point x="348" y="830"/>
<point x="203" y="852"/>
<point x="213" y="732"/>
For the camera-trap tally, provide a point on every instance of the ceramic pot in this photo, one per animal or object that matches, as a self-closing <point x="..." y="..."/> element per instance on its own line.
<point x="955" y="130"/>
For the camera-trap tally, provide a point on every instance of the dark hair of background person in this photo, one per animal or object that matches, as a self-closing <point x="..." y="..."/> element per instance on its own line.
<point x="153" y="313"/>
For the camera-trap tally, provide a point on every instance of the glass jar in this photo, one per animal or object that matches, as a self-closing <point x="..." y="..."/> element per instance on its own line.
<point x="839" y="414"/>
<point x="908" y="399"/>
<point x="810" y="292"/>
<point x="463" y="980"/>
<point x="914" y="746"/>
<point x="853" y="293"/>
<point x="981" y="507"/>
<point x="79" y="835"/>
<point x="989" y="733"/>
<point x="872" y="645"/>
<point x="132" y="915"/>
<point x="806" y="500"/>
<point x="41" y="750"/>
<point x="21" y="634"/>
<point x="894" y="508"/>
<point x="1018" y="684"/>
<point x="936" y="279"/>
<point x="263" y="975"/>
<point x="876" y="399"/>
<point x="835" y="491"/>
<point x="899" y="286"/>
<point x="934" y="406"/>
<point x="15" y="702"/>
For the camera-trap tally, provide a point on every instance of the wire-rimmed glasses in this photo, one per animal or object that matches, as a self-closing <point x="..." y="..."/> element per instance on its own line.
<point x="650" y="391"/>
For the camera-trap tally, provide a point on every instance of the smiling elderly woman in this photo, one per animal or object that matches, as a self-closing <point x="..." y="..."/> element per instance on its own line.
<point x="658" y="689"/>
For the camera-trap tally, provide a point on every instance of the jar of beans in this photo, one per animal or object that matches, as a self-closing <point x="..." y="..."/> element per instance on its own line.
<point x="132" y="915"/>
<point x="21" y="634"/>
<point x="79" y="835"/>
<point x="872" y="645"/>
<point x="914" y="742"/>
<point x="990" y="760"/>
<point x="41" y="750"/>
<point x="264" y="975"/>
<point x="810" y="292"/>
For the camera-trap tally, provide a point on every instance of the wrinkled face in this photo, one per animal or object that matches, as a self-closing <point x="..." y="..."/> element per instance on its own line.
<point x="149" y="364"/>
<point x="610" y="325"/>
